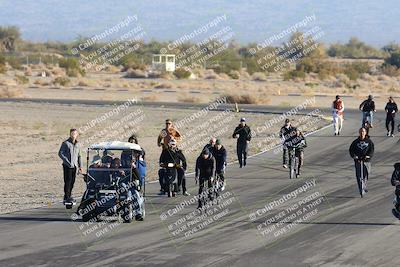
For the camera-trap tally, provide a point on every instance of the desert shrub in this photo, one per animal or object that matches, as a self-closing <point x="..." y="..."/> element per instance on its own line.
<point x="234" y="75"/>
<point x="14" y="62"/>
<point x="252" y="66"/>
<point x="259" y="76"/>
<point x="188" y="99"/>
<point x="355" y="69"/>
<point x="390" y="70"/>
<point x="136" y="74"/>
<point x="181" y="73"/>
<point x="21" y="79"/>
<point x="241" y="99"/>
<point x="131" y="61"/>
<point x="82" y="83"/>
<point x="71" y="66"/>
<point x="2" y="64"/>
<point x="63" y="81"/>
<point x="394" y="59"/>
<point x="294" y="74"/>
<point x="355" y="49"/>
<point x="7" y="92"/>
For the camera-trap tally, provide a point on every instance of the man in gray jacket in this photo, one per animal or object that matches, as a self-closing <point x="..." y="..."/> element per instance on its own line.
<point x="71" y="156"/>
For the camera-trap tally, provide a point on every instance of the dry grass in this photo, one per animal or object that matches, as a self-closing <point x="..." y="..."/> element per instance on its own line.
<point x="163" y="86"/>
<point x="10" y="92"/>
<point x="248" y="99"/>
<point x="150" y="97"/>
<point x="135" y="74"/>
<point x="259" y="76"/>
<point x="186" y="98"/>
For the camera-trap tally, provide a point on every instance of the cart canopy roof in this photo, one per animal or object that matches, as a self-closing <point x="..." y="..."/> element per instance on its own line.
<point x="115" y="145"/>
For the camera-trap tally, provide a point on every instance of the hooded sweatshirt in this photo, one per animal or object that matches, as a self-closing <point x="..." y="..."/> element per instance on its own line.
<point x="205" y="167"/>
<point x="362" y="148"/>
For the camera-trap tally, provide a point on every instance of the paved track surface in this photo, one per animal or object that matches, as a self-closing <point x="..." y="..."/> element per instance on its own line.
<point x="335" y="228"/>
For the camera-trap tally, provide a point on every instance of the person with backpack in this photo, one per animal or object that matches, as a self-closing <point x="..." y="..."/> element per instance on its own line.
<point x="337" y="113"/>
<point x="391" y="110"/>
<point x="243" y="134"/>
<point x="368" y="108"/>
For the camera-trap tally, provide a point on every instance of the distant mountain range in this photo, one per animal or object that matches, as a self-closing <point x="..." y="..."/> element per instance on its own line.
<point x="374" y="22"/>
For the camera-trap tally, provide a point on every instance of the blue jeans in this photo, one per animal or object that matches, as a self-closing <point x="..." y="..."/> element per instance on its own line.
<point x="367" y="116"/>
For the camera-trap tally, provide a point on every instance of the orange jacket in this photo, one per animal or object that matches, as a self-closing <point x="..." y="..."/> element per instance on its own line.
<point x="166" y="135"/>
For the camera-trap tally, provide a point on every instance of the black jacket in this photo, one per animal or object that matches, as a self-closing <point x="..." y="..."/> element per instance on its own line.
<point x="244" y="133"/>
<point x="390" y="107"/>
<point x="205" y="167"/>
<point x="286" y="133"/>
<point x="220" y="158"/>
<point x="367" y="105"/>
<point x="173" y="156"/>
<point x="396" y="175"/>
<point x="297" y="142"/>
<point x="362" y="148"/>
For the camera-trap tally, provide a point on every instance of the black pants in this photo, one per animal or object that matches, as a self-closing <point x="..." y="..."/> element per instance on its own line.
<point x="220" y="173"/>
<point x="69" y="181"/>
<point x="297" y="153"/>
<point x="285" y="155"/>
<point x="181" y="180"/>
<point x="202" y="182"/>
<point x="241" y="149"/>
<point x="390" y="121"/>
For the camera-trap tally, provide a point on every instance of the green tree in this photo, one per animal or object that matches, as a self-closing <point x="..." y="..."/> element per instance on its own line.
<point x="394" y="59"/>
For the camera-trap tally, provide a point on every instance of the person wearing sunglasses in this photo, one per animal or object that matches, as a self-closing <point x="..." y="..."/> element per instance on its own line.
<point x="168" y="133"/>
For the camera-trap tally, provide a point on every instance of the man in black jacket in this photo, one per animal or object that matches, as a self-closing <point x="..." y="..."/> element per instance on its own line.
<point x="204" y="171"/>
<point x="368" y="108"/>
<point x="71" y="156"/>
<point x="391" y="110"/>
<point x="220" y="161"/>
<point x="362" y="150"/>
<point x="174" y="155"/>
<point x="243" y="134"/>
<point x="284" y="135"/>
<point x="395" y="181"/>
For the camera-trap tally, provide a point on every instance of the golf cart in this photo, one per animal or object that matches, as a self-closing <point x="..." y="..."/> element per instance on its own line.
<point x="113" y="183"/>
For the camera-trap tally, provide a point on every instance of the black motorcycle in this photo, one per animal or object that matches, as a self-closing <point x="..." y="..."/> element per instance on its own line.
<point x="169" y="176"/>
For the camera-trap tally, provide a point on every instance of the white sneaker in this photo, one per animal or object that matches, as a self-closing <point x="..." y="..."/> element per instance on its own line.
<point x="388" y="134"/>
<point x="223" y="186"/>
<point x="285" y="166"/>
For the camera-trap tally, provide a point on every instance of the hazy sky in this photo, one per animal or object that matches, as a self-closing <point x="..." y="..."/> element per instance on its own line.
<point x="375" y="22"/>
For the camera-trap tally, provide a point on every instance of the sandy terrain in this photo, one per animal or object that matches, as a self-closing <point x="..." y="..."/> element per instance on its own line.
<point x="31" y="172"/>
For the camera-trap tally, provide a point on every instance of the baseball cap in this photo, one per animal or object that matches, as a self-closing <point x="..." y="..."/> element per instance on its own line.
<point x="205" y="151"/>
<point x="218" y="142"/>
<point x="96" y="159"/>
<point x="242" y="119"/>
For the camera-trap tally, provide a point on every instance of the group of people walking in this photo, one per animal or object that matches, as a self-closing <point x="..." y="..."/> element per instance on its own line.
<point x="212" y="160"/>
<point x="367" y="107"/>
<point x="362" y="148"/>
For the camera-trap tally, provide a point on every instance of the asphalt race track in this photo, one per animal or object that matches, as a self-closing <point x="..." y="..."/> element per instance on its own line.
<point x="320" y="219"/>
